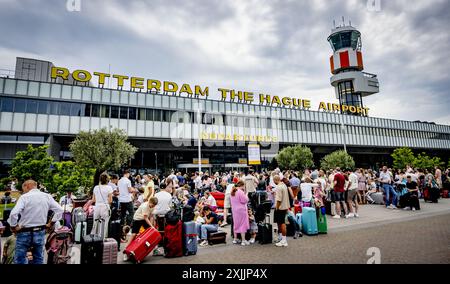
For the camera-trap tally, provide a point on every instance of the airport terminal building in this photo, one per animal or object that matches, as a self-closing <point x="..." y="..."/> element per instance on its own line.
<point x="37" y="109"/>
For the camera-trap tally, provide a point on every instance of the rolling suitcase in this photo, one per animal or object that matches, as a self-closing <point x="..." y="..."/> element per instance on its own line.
<point x="189" y="238"/>
<point x="91" y="249"/>
<point x="322" y="222"/>
<point x="89" y="223"/>
<point x="309" y="221"/>
<point x="143" y="244"/>
<point x="115" y="231"/>
<point x="80" y="231"/>
<point x="265" y="233"/>
<point x="173" y="240"/>
<point x="109" y="251"/>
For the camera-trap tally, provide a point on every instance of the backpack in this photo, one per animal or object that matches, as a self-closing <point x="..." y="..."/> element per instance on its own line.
<point x="58" y="244"/>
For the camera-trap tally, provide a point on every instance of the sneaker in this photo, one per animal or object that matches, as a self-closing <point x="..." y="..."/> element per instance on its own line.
<point x="350" y="215"/>
<point x="252" y="241"/>
<point x="125" y="257"/>
<point x="204" y="243"/>
<point x="406" y="208"/>
<point x="282" y="244"/>
<point x="414" y="209"/>
<point x="236" y="242"/>
<point x="394" y="207"/>
<point x="245" y="243"/>
<point x="224" y="224"/>
<point x="356" y="215"/>
<point x="336" y="217"/>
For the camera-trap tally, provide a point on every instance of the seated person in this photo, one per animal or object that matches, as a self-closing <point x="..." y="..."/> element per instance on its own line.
<point x="211" y="225"/>
<point x="6" y="199"/>
<point x="193" y="199"/>
<point x="210" y="201"/>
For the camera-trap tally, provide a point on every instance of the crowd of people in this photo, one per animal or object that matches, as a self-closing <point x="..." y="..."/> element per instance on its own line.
<point x="138" y="202"/>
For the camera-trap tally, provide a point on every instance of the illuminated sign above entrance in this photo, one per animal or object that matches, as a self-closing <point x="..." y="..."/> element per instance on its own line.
<point x="138" y="84"/>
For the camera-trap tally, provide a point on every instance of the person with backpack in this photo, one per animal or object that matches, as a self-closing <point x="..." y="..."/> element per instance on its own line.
<point x="102" y="197"/>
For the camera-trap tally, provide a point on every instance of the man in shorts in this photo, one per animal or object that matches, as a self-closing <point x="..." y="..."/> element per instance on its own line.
<point x="339" y="190"/>
<point x="281" y="207"/>
<point x="352" y="191"/>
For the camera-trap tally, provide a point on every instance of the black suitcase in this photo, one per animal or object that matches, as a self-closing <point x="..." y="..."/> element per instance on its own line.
<point x="89" y="224"/>
<point x="115" y="231"/>
<point x="215" y="238"/>
<point x="92" y="250"/>
<point x="265" y="233"/>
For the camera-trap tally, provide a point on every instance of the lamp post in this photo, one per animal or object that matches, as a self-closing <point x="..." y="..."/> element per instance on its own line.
<point x="343" y="136"/>
<point x="156" y="163"/>
<point x="199" y="117"/>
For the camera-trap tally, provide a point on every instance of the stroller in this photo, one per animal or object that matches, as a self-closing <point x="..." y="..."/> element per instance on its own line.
<point x="58" y="245"/>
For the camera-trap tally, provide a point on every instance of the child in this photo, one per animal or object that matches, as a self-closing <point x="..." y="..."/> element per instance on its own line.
<point x="253" y="226"/>
<point x="143" y="217"/>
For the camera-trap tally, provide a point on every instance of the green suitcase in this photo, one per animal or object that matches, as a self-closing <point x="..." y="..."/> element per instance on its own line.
<point x="322" y="222"/>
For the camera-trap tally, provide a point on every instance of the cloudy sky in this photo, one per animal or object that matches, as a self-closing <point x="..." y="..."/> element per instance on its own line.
<point x="276" y="47"/>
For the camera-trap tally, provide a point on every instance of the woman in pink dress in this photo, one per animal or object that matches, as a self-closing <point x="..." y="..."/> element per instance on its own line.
<point x="239" y="201"/>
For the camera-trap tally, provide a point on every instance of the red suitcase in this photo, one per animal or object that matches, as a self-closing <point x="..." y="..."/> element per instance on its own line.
<point x="143" y="244"/>
<point x="173" y="240"/>
<point x="297" y="209"/>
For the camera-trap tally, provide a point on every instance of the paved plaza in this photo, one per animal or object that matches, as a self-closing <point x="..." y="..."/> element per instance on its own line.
<point x="402" y="237"/>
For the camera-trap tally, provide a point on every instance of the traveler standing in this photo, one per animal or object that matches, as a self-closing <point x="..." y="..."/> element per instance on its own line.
<point x="33" y="207"/>
<point x="281" y="208"/>
<point x="227" y="204"/>
<point x="386" y="180"/>
<point x="362" y="186"/>
<point x="251" y="182"/>
<point x="295" y="183"/>
<point x="125" y="198"/>
<point x="352" y="191"/>
<point x="239" y="201"/>
<point x="339" y="191"/>
<point x="102" y="197"/>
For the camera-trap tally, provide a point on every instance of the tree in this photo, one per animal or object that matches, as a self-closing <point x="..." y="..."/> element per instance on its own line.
<point x="423" y="161"/>
<point x="102" y="150"/>
<point x="295" y="158"/>
<point x="402" y="158"/>
<point x="336" y="159"/>
<point x="33" y="163"/>
<point x="68" y="176"/>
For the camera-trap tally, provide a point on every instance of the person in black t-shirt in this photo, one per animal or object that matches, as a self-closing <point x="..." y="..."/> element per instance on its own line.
<point x="211" y="225"/>
<point x="413" y="194"/>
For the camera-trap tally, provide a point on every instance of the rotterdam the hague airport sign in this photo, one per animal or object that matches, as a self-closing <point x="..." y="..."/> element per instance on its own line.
<point x="167" y="87"/>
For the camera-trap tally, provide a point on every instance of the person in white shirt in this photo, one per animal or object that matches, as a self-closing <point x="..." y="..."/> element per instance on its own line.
<point x="352" y="190"/>
<point x="66" y="201"/>
<point x="125" y="198"/>
<point x="210" y="200"/>
<point x="102" y="198"/>
<point x="386" y="180"/>
<point x="32" y="207"/>
<point x="251" y="182"/>
<point x="164" y="197"/>
<point x="227" y="204"/>
<point x="306" y="187"/>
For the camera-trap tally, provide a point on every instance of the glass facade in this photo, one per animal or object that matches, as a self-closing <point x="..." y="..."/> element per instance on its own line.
<point x="55" y="108"/>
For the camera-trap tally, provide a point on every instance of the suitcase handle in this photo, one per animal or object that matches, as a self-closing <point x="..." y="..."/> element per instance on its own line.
<point x="147" y="244"/>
